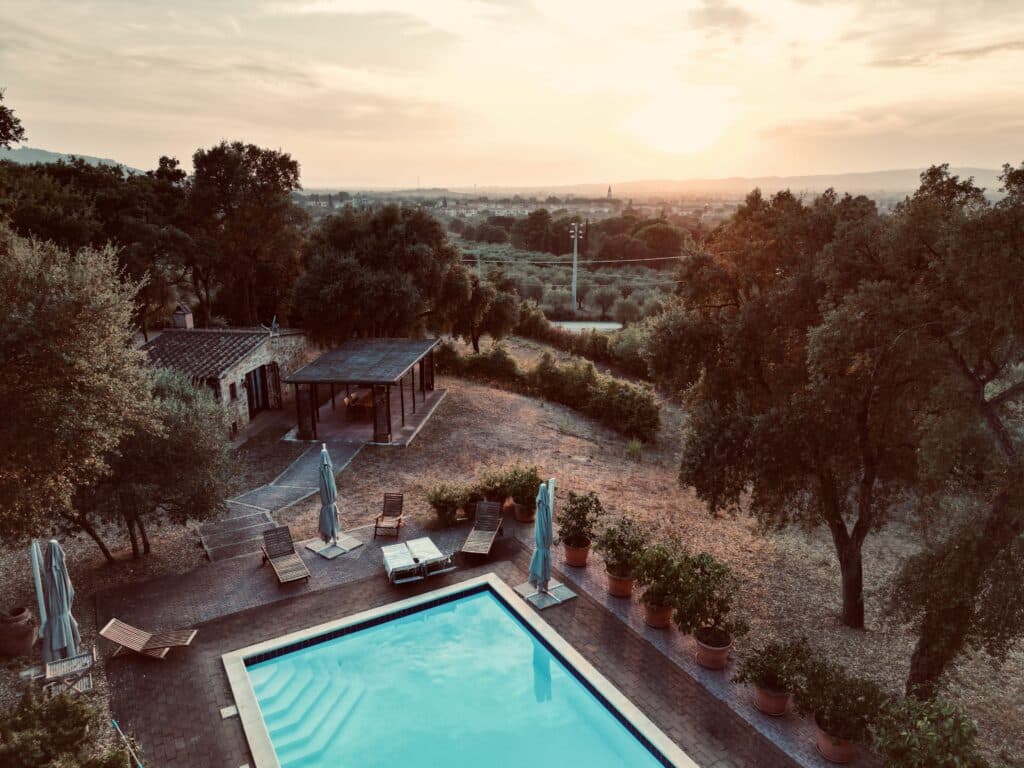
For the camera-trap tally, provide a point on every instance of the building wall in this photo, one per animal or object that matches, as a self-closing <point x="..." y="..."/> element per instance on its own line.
<point x="289" y="350"/>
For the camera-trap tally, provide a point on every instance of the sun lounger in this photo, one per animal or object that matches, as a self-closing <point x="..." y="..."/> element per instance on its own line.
<point x="155" y="645"/>
<point x="486" y="526"/>
<point x="415" y="560"/>
<point x="279" y="551"/>
<point x="73" y="674"/>
<point x="390" y="519"/>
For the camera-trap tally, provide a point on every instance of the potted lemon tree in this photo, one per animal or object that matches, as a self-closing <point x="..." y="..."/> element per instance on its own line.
<point x="660" y="571"/>
<point x="775" y="670"/>
<point x="704" y="606"/>
<point x="843" y="707"/>
<point x="621" y="543"/>
<point x="577" y="526"/>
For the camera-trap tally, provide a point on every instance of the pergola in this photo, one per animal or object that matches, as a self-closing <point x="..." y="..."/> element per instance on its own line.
<point x="372" y="365"/>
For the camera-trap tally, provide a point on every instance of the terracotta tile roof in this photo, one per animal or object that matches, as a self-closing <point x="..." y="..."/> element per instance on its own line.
<point x="202" y="353"/>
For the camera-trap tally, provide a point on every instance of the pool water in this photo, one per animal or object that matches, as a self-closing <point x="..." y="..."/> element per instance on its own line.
<point x="460" y="684"/>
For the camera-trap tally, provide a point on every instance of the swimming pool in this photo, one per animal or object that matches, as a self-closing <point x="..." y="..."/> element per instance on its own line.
<point x="456" y="678"/>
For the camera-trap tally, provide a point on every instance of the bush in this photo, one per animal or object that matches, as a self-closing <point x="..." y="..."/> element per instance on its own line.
<point x="844" y="706"/>
<point x="604" y="297"/>
<point x="775" y="666"/>
<point x="706" y="601"/>
<point x="447" y="498"/>
<point x="447" y="359"/>
<point x="626" y="311"/>
<point x="578" y="519"/>
<point x="516" y="480"/>
<point x="626" y="349"/>
<point x="911" y="733"/>
<point x="53" y="733"/>
<point x="631" y="409"/>
<point x="495" y="364"/>
<point x="558" y="304"/>
<point x="621" y="543"/>
<point x="661" y="570"/>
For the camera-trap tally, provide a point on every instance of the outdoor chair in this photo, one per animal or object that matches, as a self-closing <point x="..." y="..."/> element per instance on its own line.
<point x="486" y="526"/>
<point x="155" y="645"/>
<point x="279" y="551"/>
<point x="73" y="674"/>
<point x="390" y="519"/>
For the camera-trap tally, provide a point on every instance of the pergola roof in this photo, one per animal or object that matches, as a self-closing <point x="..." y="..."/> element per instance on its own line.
<point x="364" y="361"/>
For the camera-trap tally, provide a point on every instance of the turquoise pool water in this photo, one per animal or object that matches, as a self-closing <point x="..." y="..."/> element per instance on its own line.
<point x="460" y="684"/>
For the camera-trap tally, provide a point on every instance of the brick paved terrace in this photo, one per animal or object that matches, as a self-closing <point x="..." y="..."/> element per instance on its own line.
<point x="173" y="707"/>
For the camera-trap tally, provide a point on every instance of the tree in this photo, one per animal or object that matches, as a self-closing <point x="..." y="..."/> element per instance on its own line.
<point x="605" y="296"/>
<point x="663" y="241"/>
<point x="374" y="273"/>
<point x="479" y="307"/>
<point x="533" y="233"/>
<point x="240" y="197"/>
<point x="11" y="130"/>
<point x="188" y="431"/>
<point x="623" y="247"/>
<point x="626" y="311"/>
<point x="73" y="383"/>
<point x="775" y="413"/>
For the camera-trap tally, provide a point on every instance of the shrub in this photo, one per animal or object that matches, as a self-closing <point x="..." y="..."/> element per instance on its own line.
<point x="446" y="499"/>
<point x="631" y="409"/>
<point x="626" y="311"/>
<point x="578" y="519"/>
<point x="660" y="569"/>
<point x="494" y="364"/>
<point x="776" y="666"/>
<point x="516" y="480"/>
<point x="604" y="297"/>
<point x="626" y="349"/>
<point x="447" y="359"/>
<point x="53" y="733"/>
<point x="911" y="733"/>
<point x="621" y="544"/>
<point x="843" y="705"/>
<point x="704" y="607"/>
<point x="558" y="303"/>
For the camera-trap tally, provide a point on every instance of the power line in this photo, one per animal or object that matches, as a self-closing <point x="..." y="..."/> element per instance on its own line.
<point x="569" y="263"/>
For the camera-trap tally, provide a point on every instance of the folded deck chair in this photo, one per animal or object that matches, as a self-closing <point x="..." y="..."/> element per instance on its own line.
<point x="153" y="644"/>
<point x="390" y="519"/>
<point x="73" y="674"/>
<point x="279" y="551"/>
<point x="486" y="526"/>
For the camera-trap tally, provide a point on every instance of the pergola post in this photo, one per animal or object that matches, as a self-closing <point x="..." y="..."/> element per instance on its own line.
<point x="401" y="397"/>
<point x="413" y="387"/>
<point x="332" y="396"/>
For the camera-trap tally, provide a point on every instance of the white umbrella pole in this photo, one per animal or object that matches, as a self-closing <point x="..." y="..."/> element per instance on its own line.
<point x="37" y="579"/>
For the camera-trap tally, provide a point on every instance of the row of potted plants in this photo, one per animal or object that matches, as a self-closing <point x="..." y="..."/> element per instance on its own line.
<point x="513" y="485"/>
<point x="697" y="592"/>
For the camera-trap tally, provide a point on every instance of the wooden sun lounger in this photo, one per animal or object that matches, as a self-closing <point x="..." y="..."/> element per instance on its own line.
<point x="391" y="518"/>
<point x="486" y="526"/>
<point x="73" y="674"/>
<point x="155" y="645"/>
<point x="415" y="560"/>
<point x="279" y="551"/>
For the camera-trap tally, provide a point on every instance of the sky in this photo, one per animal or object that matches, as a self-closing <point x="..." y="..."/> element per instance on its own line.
<point x="511" y="92"/>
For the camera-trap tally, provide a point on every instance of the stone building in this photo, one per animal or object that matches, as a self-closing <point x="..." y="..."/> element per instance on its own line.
<point x="243" y="367"/>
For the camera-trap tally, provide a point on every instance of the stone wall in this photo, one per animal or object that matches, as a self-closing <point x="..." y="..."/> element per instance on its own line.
<point x="289" y="350"/>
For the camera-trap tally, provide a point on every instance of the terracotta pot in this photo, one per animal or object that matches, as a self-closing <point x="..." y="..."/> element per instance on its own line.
<point x="576" y="556"/>
<point x="712" y="656"/>
<point x="834" y="749"/>
<point x="771" y="702"/>
<point x="657" y="616"/>
<point x="523" y="513"/>
<point x="17" y="632"/>
<point x="620" y="587"/>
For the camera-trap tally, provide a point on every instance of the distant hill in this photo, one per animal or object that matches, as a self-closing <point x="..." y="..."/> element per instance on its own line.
<point x="28" y="155"/>
<point x="894" y="182"/>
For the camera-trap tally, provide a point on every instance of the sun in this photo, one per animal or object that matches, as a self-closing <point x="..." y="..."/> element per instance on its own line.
<point x="684" y="119"/>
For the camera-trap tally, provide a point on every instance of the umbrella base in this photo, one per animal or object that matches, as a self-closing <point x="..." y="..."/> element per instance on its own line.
<point x="557" y="594"/>
<point x="344" y="545"/>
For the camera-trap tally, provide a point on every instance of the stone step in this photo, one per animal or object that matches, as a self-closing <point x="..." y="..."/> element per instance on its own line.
<point x="250" y="547"/>
<point x="234" y="523"/>
<point x="232" y="536"/>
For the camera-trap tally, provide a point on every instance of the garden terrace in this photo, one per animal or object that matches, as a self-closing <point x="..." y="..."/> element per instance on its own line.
<point x="367" y="379"/>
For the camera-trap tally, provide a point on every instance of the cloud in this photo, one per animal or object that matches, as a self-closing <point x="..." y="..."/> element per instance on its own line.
<point x="720" y="16"/>
<point x="958" y="54"/>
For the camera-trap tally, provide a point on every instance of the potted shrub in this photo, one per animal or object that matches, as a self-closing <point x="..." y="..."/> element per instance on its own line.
<point x="621" y="543"/>
<point x="911" y="733"/>
<point x="447" y="500"/>
<point x="703" y="609"/>
<point x="843" y="708"/>
<point x="660" y="570"/>
<point x="515" y="486"/>
<point x="775" y="670"/>
<point x="577" y="526"/>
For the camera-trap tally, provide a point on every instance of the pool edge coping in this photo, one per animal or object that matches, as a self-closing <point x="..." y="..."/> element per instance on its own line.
<point x="258" y="737"/>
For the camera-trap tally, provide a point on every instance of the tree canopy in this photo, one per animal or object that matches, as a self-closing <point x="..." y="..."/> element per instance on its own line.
<point x="11" y="130"/>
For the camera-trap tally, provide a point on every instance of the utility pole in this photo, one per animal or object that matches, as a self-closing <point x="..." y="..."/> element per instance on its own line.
<point x="574" y="231"/>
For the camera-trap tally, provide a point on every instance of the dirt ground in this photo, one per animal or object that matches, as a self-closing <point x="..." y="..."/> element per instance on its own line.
<point x="790" y="579"/>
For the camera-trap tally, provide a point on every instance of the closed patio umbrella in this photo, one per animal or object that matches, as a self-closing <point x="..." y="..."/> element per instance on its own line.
<point x="60" y="632"/>
<point x="540" y="563"/>
<point x="330" y="527"/>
